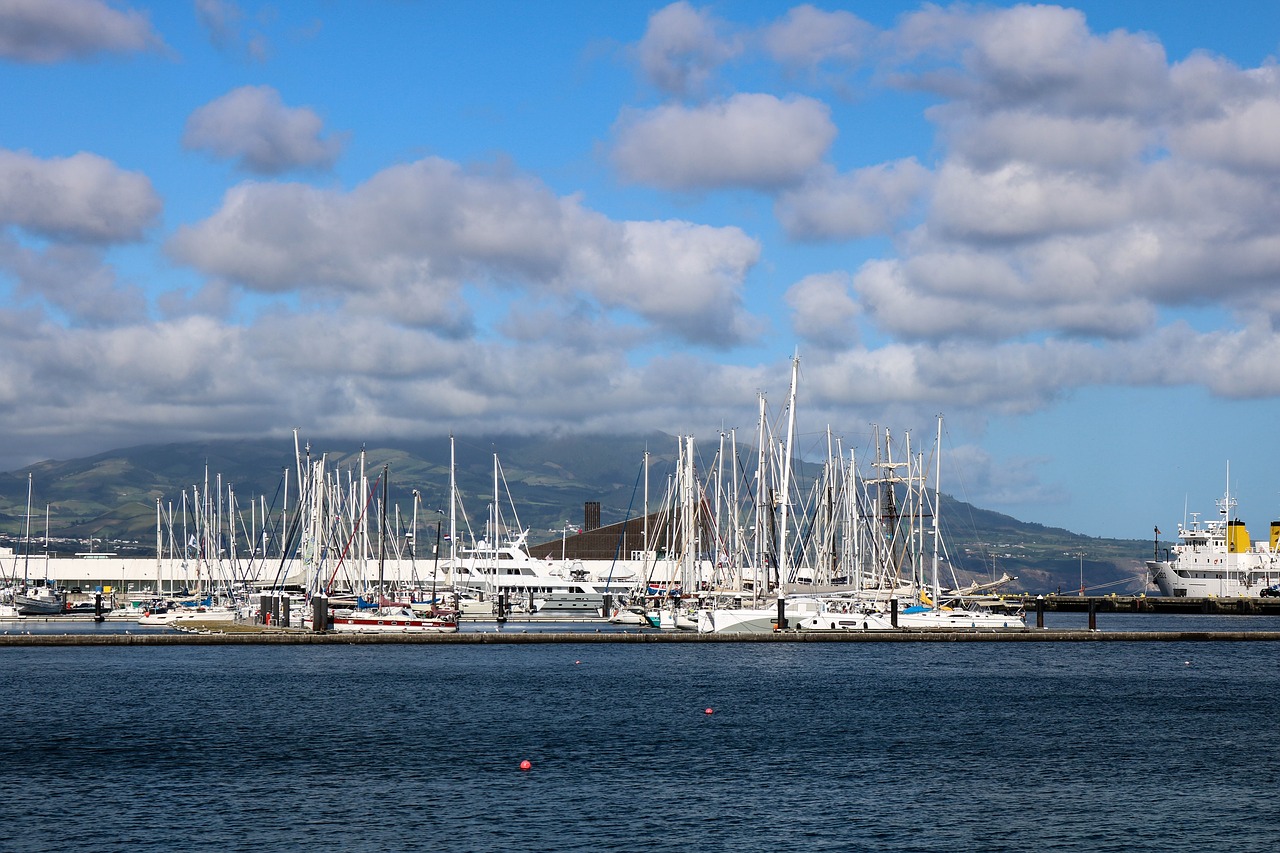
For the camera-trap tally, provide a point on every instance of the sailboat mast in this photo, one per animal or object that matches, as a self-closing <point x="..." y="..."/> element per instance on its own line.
<point x="382" y="533"/>
<point x="453" y="515"/>
<point x="937" y="503"/>
<point x="786" y="472"/>
<point x="26" y="536"/>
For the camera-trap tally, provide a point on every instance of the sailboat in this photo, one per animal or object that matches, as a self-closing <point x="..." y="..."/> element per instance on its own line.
<point x="921" y="604"/>
<point x="392" y="616"/>
<point x="45" y="599"/>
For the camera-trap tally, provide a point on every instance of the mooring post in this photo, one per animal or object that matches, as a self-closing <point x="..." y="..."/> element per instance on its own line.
<point x="782" y="613"/>
<point x="1039" y="611"/>
<point x="893" y="612"/>
<point x="97" y="607"/>
<point x="1093" y="615"/>
<point x="319" y="614"/>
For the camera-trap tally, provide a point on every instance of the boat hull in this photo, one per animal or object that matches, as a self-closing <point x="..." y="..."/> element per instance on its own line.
<point x="30" y="605"/>
<point x="394" y="626"/>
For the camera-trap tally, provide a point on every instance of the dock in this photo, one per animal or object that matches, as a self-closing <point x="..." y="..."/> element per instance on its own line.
<point x="1148" y="604"/>
<point x="510" y="636"/>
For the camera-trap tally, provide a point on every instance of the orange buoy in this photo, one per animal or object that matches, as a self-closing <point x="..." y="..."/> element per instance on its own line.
<point x="526" y="764"/>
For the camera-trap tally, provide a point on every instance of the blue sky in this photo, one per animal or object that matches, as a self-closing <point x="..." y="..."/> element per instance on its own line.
<point x="1055" y="225"/>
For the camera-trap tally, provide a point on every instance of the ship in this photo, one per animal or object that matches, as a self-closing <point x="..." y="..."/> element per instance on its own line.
<point x="1217" y="559"/>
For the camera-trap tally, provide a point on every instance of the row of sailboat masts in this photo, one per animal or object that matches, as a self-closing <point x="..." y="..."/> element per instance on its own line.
<point x="210" y="539"/>
<point x="880" y="531"/>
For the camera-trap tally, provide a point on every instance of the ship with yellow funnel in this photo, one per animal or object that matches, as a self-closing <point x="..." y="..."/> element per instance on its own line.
<point x="1217" y="559"/>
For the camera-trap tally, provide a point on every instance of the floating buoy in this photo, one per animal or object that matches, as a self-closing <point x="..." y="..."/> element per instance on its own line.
<point x="577" y="662"/>
<point x="708" y="712"/>
<point x="1186" y="663"/>
<point x="526" y="764"/>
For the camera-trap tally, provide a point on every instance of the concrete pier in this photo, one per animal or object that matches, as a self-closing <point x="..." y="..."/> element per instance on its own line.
<point x="1234" y="606"/>
<point x="517" y="637"/>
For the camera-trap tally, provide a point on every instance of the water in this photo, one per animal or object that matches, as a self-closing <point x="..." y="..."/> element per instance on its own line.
<point x="816" y="747"/>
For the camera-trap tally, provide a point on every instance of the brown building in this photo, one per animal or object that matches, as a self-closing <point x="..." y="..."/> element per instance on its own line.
<point x="623" y="540"/>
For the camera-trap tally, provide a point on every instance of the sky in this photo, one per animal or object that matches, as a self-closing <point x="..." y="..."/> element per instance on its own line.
<point x="1056" y="226"/>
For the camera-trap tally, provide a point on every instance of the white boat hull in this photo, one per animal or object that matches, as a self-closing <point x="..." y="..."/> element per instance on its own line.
<point x="184" y="615"/>
<point x="396" y="620"/>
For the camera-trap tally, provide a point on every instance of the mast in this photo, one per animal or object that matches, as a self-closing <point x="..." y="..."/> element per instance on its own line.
<point x="159" y="549"/>
<point x="937" y="502"/>
<point x="26" y="536"/>
<point x="758" y="559"/>
<point x="382" y="533"/>
<point x="786" y="471"/>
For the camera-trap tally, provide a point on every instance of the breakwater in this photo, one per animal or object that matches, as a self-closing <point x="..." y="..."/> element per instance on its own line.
<point x="1224" y="606"/>
<point x="516" y="637"/>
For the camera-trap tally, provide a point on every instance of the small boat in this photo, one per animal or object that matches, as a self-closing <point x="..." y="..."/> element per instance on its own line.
<point x="40" y="601"/>
<point x="177" y="614"/>
<point x="396" y="618"/>
<point x="630" y="615"/>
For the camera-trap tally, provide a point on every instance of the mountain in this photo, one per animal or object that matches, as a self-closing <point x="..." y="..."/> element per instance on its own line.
<point x="111" y="497"/>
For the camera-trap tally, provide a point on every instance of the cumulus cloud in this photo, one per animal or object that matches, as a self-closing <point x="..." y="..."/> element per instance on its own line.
<point x="79" y="198"/>
<point x="75" y="282"/>
<point x="253" y="126"/>
<point x="829" y="206"/>
<point x="824" y="310"/>
<point x="809" y="36"/>
<point x="1034" y="57"/>
<point x="749" y="140"/>
<point x="681" y="47"/>
<point x="427" y="228"/>
<point x="45" y="31"/>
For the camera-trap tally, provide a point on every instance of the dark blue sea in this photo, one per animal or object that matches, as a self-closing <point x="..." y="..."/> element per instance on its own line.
<point x="1146" y="746"/>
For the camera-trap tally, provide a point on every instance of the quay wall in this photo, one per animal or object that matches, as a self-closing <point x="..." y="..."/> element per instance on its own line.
<point x="296" y="638"/>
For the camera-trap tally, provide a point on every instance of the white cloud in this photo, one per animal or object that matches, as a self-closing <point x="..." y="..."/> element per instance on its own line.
<point x="680" y="276"/>
<point x="74" y="281"/>
<point x="749" y="140"/>
<point x="869" y="201"/>
<point x="1244" y="133"/>
<point x="1018" y="201"/>
<point x="414" y="235"/>
<point x="824" y="310"/>
<point x="681" y="47"/>
<point x="44" y="31"/>
<point x="1105" y="145"/>
<point x="252" y="125"/>
<point x="809" y="36"/>
<point x="79" y="198"/>
<point x="1035" y="57"/>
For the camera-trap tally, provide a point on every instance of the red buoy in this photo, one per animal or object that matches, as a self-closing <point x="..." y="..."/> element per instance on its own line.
<point x="526" y="764"/>
<point x="708" y="711"/>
